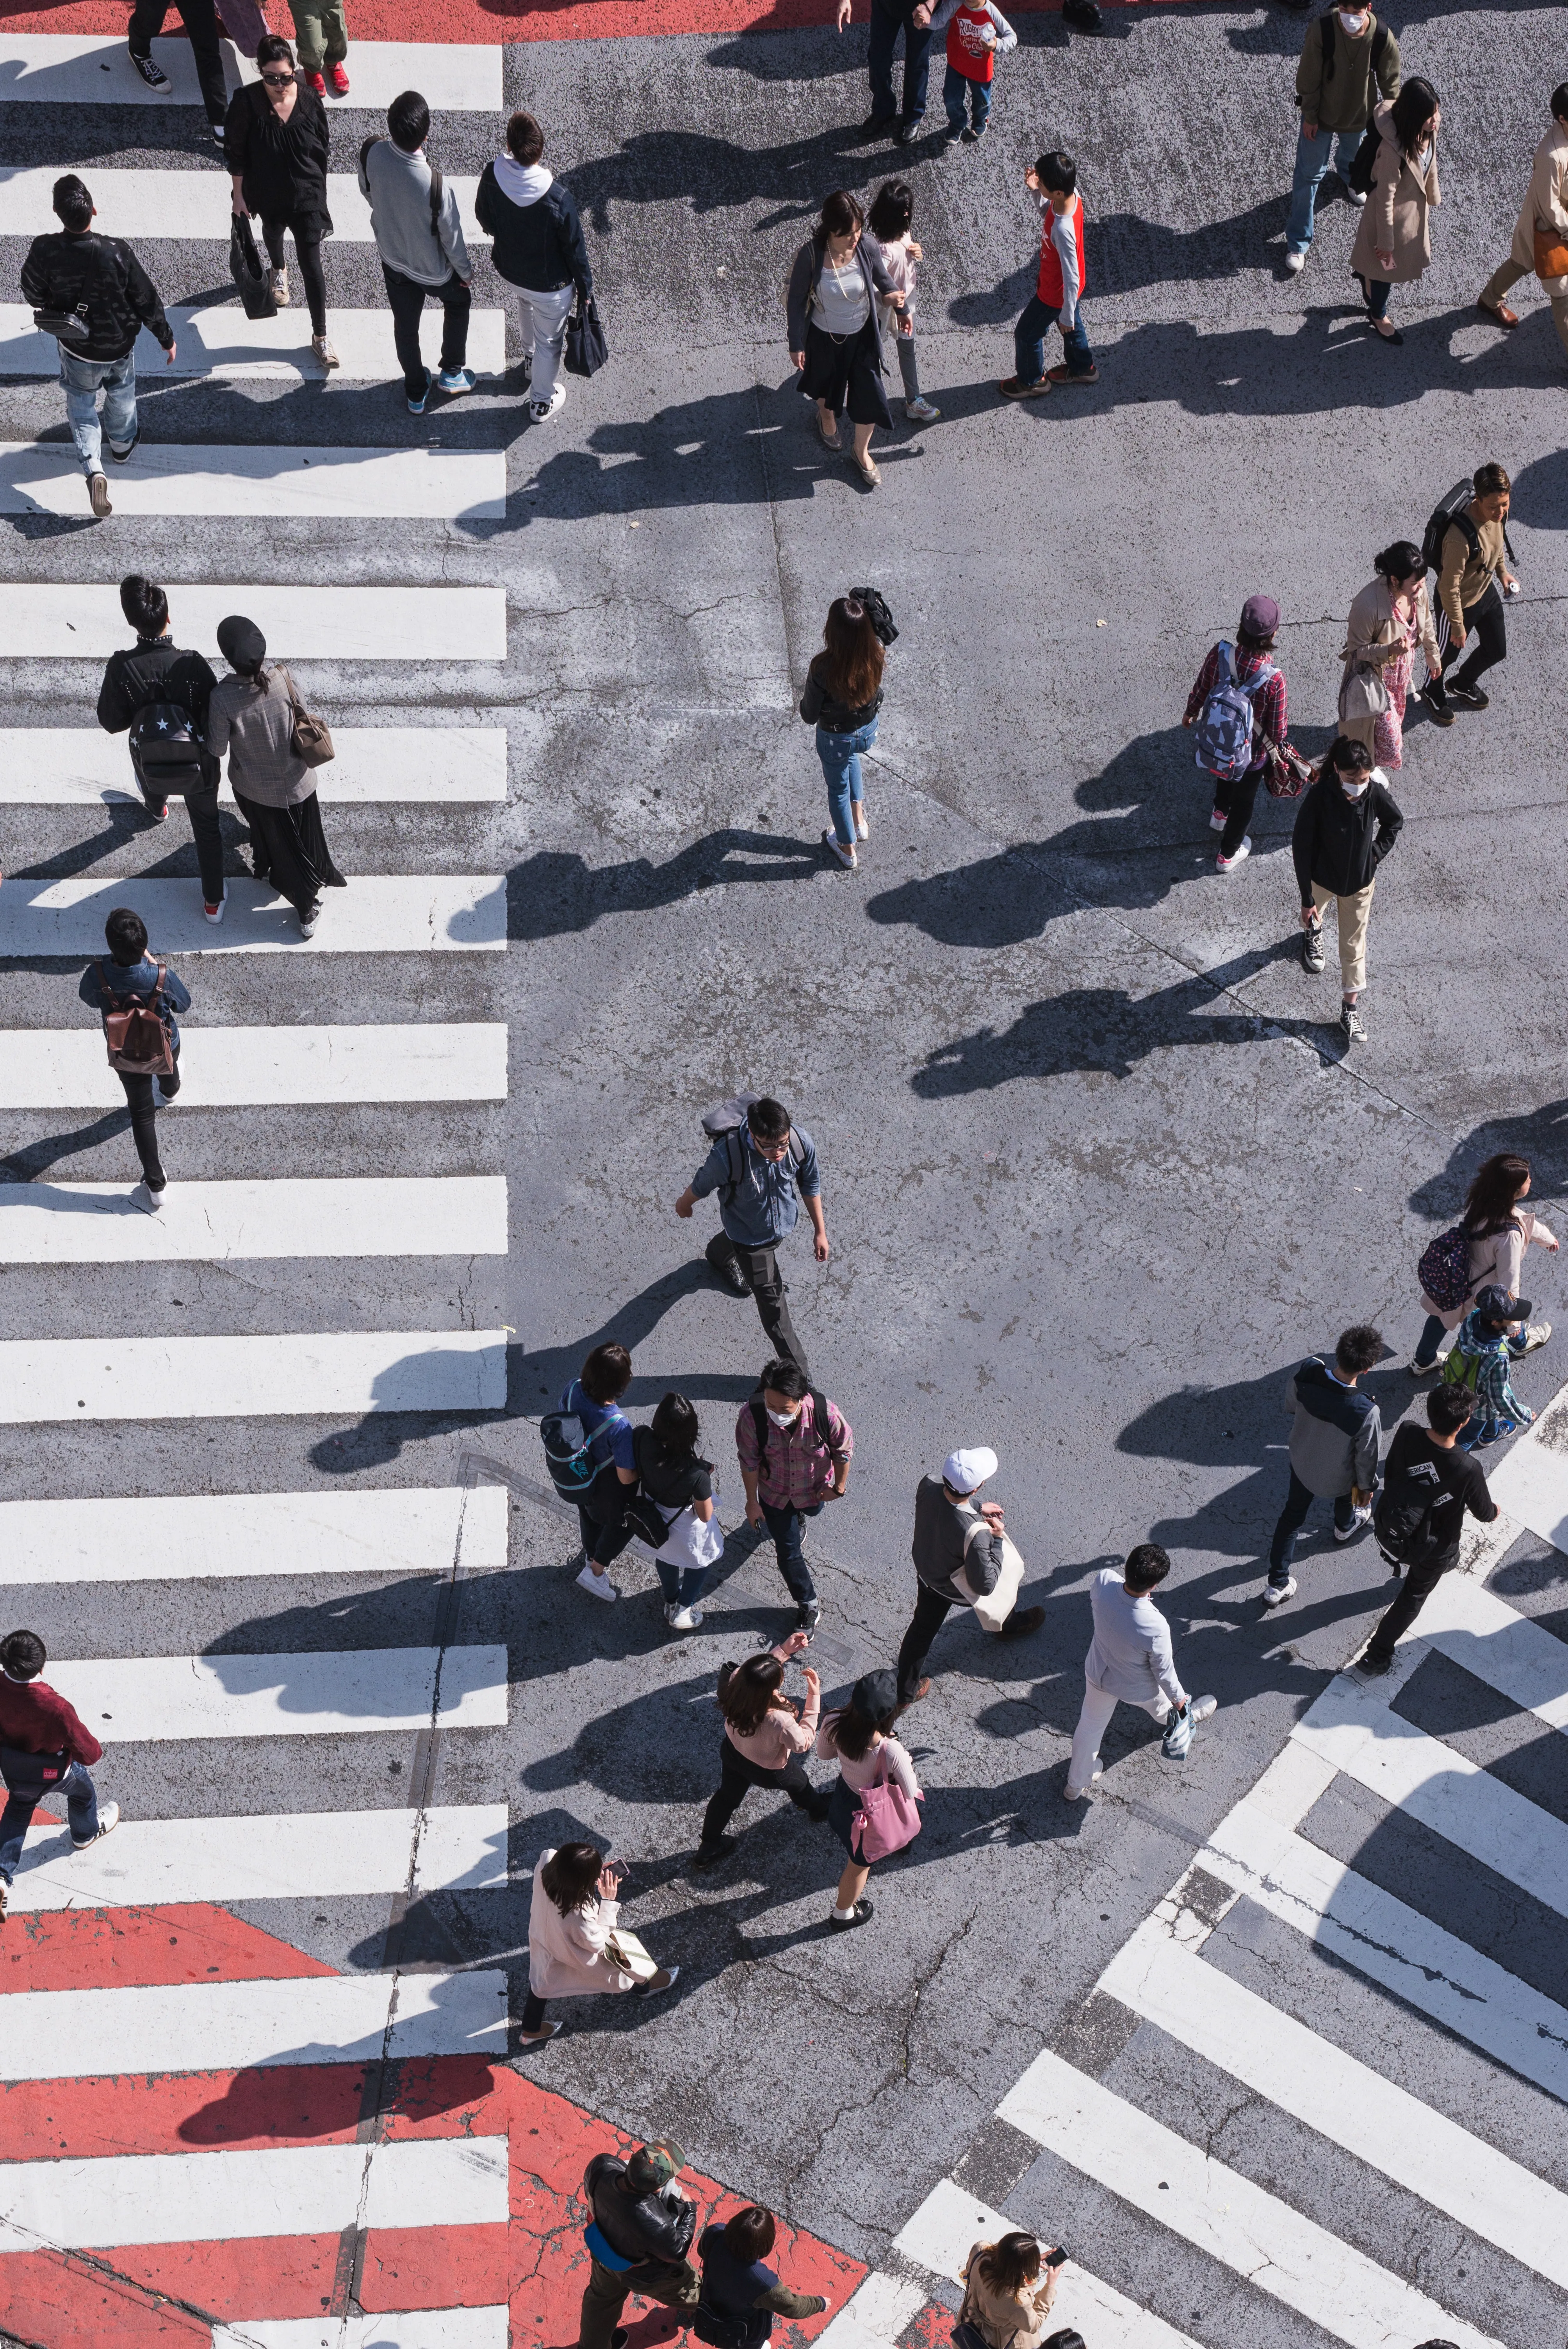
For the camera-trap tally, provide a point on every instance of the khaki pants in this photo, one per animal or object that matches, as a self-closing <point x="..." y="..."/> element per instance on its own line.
<point x="1354" y="914"/>
<point x="1502" y="281"/>
<point x="321" y="31"/>
<point x="607" y="2294"/>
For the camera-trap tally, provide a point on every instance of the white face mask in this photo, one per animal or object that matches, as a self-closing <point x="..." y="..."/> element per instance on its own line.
<point x="1355" y="791"/>
<point x="783" y="1418"/>
<point x="1353" y="24"/>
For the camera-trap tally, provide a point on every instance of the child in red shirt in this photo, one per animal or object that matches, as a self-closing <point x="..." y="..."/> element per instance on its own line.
<point x="977" y="34"/>
<point x="1058" y="299"/>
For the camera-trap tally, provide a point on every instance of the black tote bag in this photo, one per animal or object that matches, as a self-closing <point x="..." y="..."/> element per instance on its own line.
<point x="249" y="271"/>
<point x="585" y="348"/>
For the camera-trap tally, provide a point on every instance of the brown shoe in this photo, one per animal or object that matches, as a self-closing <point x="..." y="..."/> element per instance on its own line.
<point x="1012" y="386"/>
<point x="1498" y="310"/>
<point x="922" y="1688"/>
<point x="1021" y="1623"/>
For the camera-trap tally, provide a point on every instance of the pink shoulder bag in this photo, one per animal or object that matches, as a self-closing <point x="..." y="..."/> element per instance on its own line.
<point x="887" y="1819"/>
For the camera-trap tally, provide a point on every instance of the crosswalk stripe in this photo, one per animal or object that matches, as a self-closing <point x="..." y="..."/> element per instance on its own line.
<point x="310" y="1374"/>
<point x="363" y="1529"/>
<point x="312" y="485"/>
<point x="949" y="2222"/>
<point x="1368" y="1930"/>
<point x="40" y="621"/>
<point x="109" y="2032"/>
<point x="1342" y="2099"/>
<point x="876" y="2317"/>
<point x="160" y="2198"/>
<point x="187" y="204"/>
<point x="420" y="2328"/>
<point x="74" y="766"/>
<point x="243" y="1068"/>
<point x="412" y="914"/>
<point x="86" y="69"/>
<point x="222" y="342"/>
<point x="267" y="1855"/>
<point x="1530" y="1485"/>
<point x="149" y="1700"/>
<point x="1223" y="2214"/>
<point x="1352" y="1728"/>
<point x="1493" y="1641"/>
<point x="217" y="1223"/>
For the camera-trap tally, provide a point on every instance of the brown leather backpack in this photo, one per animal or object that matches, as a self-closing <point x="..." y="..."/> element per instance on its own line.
<point x="137" y="1037"/>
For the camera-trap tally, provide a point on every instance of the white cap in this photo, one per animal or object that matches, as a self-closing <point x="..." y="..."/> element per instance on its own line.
<point x="968" y="1471"/>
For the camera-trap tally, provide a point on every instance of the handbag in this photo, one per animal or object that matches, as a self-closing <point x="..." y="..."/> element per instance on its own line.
<point x="887" y="1819"/>
<point x="1550" y="253"/>
<point x="248" y="270"/>
<point x="312" y="738"/>
<point x="992" y="1608"/>
<point x="624" y="1950"/>
<point x="1362" y="693"/>
<point x="66" y="326"/>
<point x="586" y="351"/>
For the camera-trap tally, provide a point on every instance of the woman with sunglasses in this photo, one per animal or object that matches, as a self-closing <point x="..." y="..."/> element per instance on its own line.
<point x="275" y="145"/>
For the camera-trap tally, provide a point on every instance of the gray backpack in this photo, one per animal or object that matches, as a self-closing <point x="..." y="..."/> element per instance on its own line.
<point x="724" y="1122"/>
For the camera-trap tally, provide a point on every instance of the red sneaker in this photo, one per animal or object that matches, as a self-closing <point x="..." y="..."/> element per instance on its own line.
<point x="338" y="78"/>
<point x="314" y="82"/>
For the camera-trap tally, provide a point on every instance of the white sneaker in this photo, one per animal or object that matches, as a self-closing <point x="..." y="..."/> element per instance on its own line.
<point x="862" y="822"/>
<point x="1355" y="196"/>
<point x="1536" y="1335"/>
<point x="599" y="1584"/>
<point x="684" y="1619"/>
<point x="541" y="410"/>
<point x="1295" y="262"/>
<point x="160" y="1100"/>
<point x="920" y="411"/>
<point x="1359" y="1518"/>
<point x="278" y="287"/>
<point x="1275" y="1595"/>
<point x="1419" y="1370"/>
<point x="109" y="1819"/>
<point x="1202" y="1706"/>
<point x="216" y="912"/>
<point x="846" y="856"/>
<point x="1229" y="864"/>
<point x="1076" y="1793"/>
<point x="151" y="1200"/>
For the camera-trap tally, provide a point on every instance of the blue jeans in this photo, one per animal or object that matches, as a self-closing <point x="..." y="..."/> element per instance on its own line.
<point x="81" y="1804"/>
<point x="682" y="1585"/>
<point x="790" y="1548"/>
<point x="955" y="88"/>
<point x="83" y="380"/>
<point x="887" y="23"/>
<point x="1311" y="170"/>
<point x="840" y="757"/>
<point x="1029" y="341"/>
<point x="1291" y="1517"/>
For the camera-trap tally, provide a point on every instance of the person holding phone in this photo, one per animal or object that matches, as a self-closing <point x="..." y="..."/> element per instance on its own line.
<point x="573" y="1950"/>
<point x="1009" y="2289"/>
<point x="764" y="1745"/>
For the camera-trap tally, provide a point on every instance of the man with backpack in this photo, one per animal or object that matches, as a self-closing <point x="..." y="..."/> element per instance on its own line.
<point x="1335" y="1441"/>
<point x="1238" y="707"/>
<point x="45" y="1749"/>
<point x="795" y="1449"/>
<point x="92" y="294"/>
<point x="138" y="995"/>
<point x="641" y="2231"/>
<point x="1345" y="827"/>
<point x="1466" y="546"/>
<point x="159" y="694"/>
<point x="419" y="238"/>
<point x="1478" y="1360"/>
<point x="740" y="2295"/>
<point x="1347" y="60"/>
<point x="762" y="1167"/>
<point x="1427" y="1485"/>
<point x="591" y="1447"/>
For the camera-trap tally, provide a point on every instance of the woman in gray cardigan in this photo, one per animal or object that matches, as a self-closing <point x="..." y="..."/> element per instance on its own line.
<point x="252" y="717"/>
<point x="835" y="334"/>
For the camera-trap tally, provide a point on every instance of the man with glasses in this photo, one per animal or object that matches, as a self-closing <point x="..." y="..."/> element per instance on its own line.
<point x="761" y="1170"/>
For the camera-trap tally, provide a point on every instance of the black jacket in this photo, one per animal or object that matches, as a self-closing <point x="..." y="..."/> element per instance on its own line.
<point x="540" y="245"/>
<point x="641" y="2227"/>
<point x="61" y="271"/>
<point x="1340" y="843"/>
<point x="941" y="1529"/>
<point x="152" y="669"/>
<point x="819" y="706"/>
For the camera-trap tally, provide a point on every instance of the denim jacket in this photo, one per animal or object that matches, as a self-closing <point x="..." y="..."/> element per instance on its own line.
<point x="139" y="979"/>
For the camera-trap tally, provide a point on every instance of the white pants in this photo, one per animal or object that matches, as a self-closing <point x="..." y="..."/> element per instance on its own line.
<point x="541" y="325"/>
<point x="1098" y="1705"/>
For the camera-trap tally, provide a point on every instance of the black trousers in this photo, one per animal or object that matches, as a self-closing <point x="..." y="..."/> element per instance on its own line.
<point x="930" y="1611"/>
<point x="737" y="1775"/>
<point x="760" y="1267"/>
<point x="201" y="807"/>
<point x="602" y="1517"/>
<point x="1419" y="1583"/>
<point x="533" y="2012"/>
<point x="144" y="1121"/>
<point x="1236" y="795"/>
<point x="307" y="253"/>
<point x="199" y="20"/>
<point x="1491" y="643"/>
<point x="406" y="298"/>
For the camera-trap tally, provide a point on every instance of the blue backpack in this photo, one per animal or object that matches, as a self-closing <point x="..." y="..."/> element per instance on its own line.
<point x="1228" y="719"/>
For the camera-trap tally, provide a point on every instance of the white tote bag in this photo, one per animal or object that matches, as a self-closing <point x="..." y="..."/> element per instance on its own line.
<point x="690" y="1541"/>
<point x="992" y="1609"/>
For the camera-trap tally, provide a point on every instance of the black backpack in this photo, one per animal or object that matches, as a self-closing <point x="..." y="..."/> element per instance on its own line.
<point x="167" y="745"/>
<point x="722" y="2332"/>
<point x="1450" y="514"/>
<point x="763" y="1424"/>
<point x="1402" y="1519"/>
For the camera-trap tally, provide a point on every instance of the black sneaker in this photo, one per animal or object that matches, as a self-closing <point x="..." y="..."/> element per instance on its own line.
<point x="1083" y="13"/>
<point x="879" y="126"/>
<point x="708" y="1855"/>
<point x="810" y="1615"/>
<point x="123" y="455"/>
<point x="864" y="1913"/>
<point x="1470" y="697"/>
<point x="1439" y="711"/>
<point x="152" y="75"/>
<point x="1375" y="1666"/>
<point x="1021" y="1623"/>
<point x="909" y="131"/>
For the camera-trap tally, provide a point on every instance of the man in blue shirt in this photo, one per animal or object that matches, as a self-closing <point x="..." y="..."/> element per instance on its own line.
<point x="762" y="1170"/>
<point x="595" y="1398"/>
<point x="115" y="986"/>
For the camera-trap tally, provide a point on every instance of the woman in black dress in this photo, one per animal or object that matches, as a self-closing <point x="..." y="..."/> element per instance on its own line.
<point x="275" y="144"/>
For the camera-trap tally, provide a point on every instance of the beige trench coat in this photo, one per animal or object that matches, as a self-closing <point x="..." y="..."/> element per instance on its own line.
<point x="566" y="1954"/>
<point x="1371" y="639"/>
<point x="1545" y="203"/>
<point x="1399" y="211"/>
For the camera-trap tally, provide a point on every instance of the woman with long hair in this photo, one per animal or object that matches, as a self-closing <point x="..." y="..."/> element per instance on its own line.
<point x="1394" y="241"/>
<point x="679" y="1483"/>
<point x="1008" y="2288"/>
<point x="835" y="327"/>
<point x="574" y="1949"/>
<point x="859" y="1738"/>
<point x="276" y="146"/>
<point x="1498" y="1227"/>
<point x="765" y="1742"/>
<point x="250" y="716"/>
<point x="1387" y="620"/>
<point x="844" y="693"/>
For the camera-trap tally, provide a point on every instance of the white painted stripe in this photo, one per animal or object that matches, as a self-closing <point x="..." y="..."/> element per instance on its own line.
<point x="148" y="1700"/>
<point x="271" y="1856"/>
<point x="873" y="2316"/>
<point x="87" y="69"/>
<point x="222" y="342"/>
<point x="417" y="913"/>
<point x="1368" y="1928"/>
<point x="391" y="1529"/>
<point x="950" y="2222"/>
<point x="1343" y="2100"/>
<point x="1530" y="1485"/>
<point x="183" y="204"/>
<point x="419" y="2328"/>
<point x="240" y="1067"/>
<point x="241" y="2026"/>
<point x="1350" y="1726"/>
<point x="217" y="1223"/>
<point x="1492" y="1641"/>
<point x="167" y="478"/>
<point x="1223" y="2214"/>
<point x="41" y="622"/>
<point x="304" y="2189"/>
<point x="61" y="766"/>
<point x="80" y="1378"/>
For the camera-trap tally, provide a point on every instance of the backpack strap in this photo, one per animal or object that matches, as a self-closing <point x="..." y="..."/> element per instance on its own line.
<point x="798" y="1148"/>
<point x="735" y="1160"/>
<point x="761" y="1422"/>
<point x="365" y="145"/>
<point x="437" y="192"/>
<point x="820" y="1416"/>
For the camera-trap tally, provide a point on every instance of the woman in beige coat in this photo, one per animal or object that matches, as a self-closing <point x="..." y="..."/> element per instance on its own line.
<point x="573" y="1949"/>
<point x="1009" y="2292"/>
<point x="1388" y="621"/>
<point x="1498" y="1227"/>
<point x="1545" y="208"/>
<point x="1394" y="242"/>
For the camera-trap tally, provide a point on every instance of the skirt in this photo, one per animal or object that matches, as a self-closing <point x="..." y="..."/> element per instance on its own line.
<point x="846" y="372"/>
<point x="843" y="1806"/>
<point x="288" y="848"/>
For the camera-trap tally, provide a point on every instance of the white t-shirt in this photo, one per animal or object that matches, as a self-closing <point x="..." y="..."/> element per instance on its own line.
<point x="843" y="306"/>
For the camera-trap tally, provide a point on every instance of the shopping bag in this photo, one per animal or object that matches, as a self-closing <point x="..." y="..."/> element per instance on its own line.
<point x="992" y="1609"/>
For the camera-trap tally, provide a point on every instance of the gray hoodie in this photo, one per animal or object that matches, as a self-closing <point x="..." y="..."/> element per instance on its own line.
<point x="399" y="188"/>
<point x="1338" y="1434"/>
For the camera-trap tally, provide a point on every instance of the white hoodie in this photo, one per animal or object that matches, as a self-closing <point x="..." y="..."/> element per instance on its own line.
<point x="522" y="184"/>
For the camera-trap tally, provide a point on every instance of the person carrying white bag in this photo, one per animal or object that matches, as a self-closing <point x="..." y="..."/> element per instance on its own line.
<point x="962" y="1558"/>
<point x="679" y="1485"/>
<point x="1129" y="1662"/>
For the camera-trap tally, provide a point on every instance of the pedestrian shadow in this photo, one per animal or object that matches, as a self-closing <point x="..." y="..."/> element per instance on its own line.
<point x="712" y="174"/>
<point x="31" y="1159"/>
<point x="126" y="820"/>
<point x="556" y="892"/>
<point x="543" y="1375"/>
<point x="1540" y="492"/>
<point x="1538" y="1135"/>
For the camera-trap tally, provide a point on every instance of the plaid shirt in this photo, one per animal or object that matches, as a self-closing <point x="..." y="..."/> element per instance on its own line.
<point x="800" y="1469"/>
<point x="1480" y="1360"/>
<point x="1269" y="701"/>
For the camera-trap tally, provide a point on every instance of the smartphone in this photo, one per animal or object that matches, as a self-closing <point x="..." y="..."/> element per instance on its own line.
<point x="1056" y="2258"/>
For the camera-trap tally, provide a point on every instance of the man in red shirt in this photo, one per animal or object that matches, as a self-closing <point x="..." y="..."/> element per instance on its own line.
<point x="44" y="1751"/>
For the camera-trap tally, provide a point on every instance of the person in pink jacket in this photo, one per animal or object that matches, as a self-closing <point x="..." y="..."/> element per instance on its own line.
<point x="571" y="1925"/>
<point x="765" y="1742"/>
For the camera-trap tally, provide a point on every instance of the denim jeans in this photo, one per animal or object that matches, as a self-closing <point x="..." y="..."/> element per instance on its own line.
<point x="1430" y="1339"/>
<point x="840" y="757"/>
<point x="1299" y="1500"/>
<point x="682" y="1585"/>
<point x="1035" y="322"/>
<point x="83" y="380"/>
<point x="1311" y="170"/>
<point x="887" y="23"/>
<point x="955" y="88"/>
<point x="790" y="1548"/>
<point x="81" y="1806"/>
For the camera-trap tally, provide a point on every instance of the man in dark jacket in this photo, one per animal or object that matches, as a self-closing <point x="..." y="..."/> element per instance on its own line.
<point x="1335" y="1439"/>
<point x="944" y="1541"/>
<point x="1427" y="1485"/>
<point x="37" y="1723"/>
<point x="99" y="280"/>
<point x="157" y="676"/>
<point x="539" y="248"/>
<point x="1345" y="826"/>
<point x="740" y="2294"/>
<point x="638" y="2242"/>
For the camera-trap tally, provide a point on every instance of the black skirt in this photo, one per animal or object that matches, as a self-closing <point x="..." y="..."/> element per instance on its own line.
<point x="847" y="372"/>
<point x="843" y="1806"/>
<point x="288" y="848"/>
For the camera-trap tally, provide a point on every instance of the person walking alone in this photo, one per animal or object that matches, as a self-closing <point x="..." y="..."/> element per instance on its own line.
<point x="160" y="693"/>
<point x="98" y="282"/>
<point x="844" y="693"/>
<point x="838" y="287"/>
<point x="1345" y="827"/>
<point x="1497" y="1228"/>
<point x="954" y="1533"/>
<point x="37" y="1727"/>
<point x="1058" y="297"/>
<point x="572" y="1950"/>
<point x="1129" y="1661"/>
<point x="419" y="238"/>
<point x="1335" y="1439"/>
<point x="251" y="718"/>
<point x="321" y="29"/>
<point x="1394" y="241"/>
<point x="1427" y="1485"/>
<point x="133" y="979"/>
<point x="859" y="1738"/>
<point x="1008" y="2290"/>
<point x="1389" y="620"/>
<point x="1541" y="232"/>
<point x="795" y="1447"/>
<point x="1239" y="707"/>
<point x="1346" y="58"/>
<point x="200" y="19"/>
<point x="538" y="246"/>
<point x="276" y="145"/>
<point x="764" y="1744"/>
<point x="762" y="1171"/>
<point x="1473" y="577"/>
